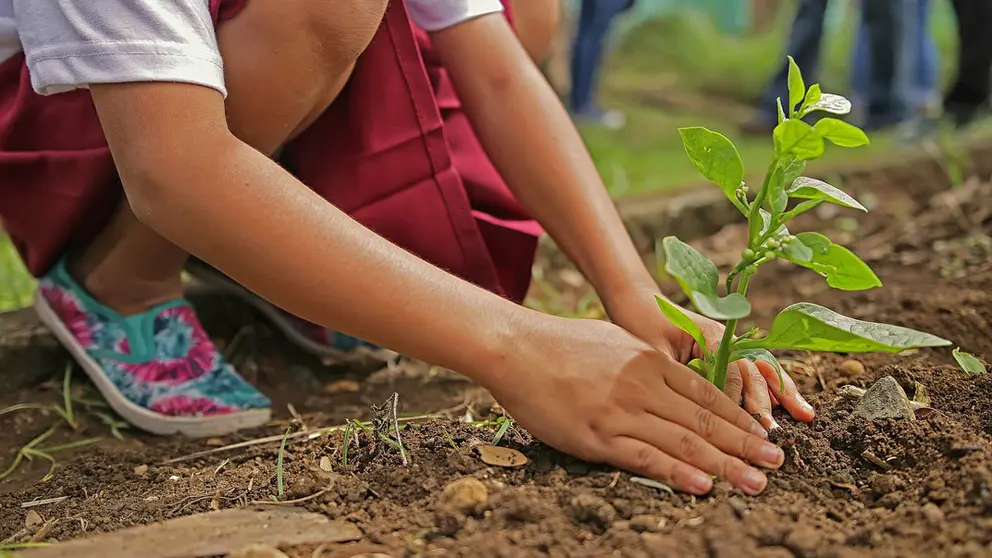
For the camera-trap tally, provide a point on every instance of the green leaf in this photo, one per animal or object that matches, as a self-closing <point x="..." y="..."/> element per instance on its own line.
<point x="681" y="320"/>
<point x="841" y="133"/>
<point x="797" y="87"/>
<point x="812" y="189"/>
<point x="781" y="112"/>
<point x="766" y="221"/>
<point x="797" y="252"/>
<point x="809" y="327"/>
<point x="778" y="200"/>
<point x="693" y="271"/>
<point x="731" y="307"/>
<point x="839" y="266"/>
<point x="968" y="362"/>
<point x="755" y="355"/>
<point x="716" y="158"/>
<point x="793" y="169"/>
<point x="699" y="366"/>
<point x="813" y="96"/>
<point x="795" y="138"/>
<point x="834" y="104"/>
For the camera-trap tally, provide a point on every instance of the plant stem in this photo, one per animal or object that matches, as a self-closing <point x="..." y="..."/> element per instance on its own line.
<point x="759" y="200"/>
<point x="723" y="353"/>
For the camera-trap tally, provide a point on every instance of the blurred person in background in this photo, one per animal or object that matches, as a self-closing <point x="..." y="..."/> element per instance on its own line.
<point x="805" y="40"/>
<point x="909" y="93"/>
<point x="596" y="19"/>
<point x="887" y="26"/>
<point x="968" y="97"/>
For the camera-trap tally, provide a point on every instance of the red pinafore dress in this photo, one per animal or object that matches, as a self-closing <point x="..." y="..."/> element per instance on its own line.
<point x="394" y="151"/>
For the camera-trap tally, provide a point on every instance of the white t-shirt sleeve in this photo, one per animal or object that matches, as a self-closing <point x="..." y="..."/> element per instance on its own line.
<point x="434" y="15"/>
<point x="70" y="44"/>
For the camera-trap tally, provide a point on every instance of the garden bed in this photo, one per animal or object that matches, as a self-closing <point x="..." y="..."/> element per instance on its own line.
<point x="849" y="487"/>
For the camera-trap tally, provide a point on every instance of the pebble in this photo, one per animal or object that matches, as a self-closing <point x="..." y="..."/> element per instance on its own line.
<point x="141" y="470"/>
<point x="884" y="400"/>
<point x="645" y="523"/>
<point x="465" y="495"/>
<point x="258" y="551"/>
<point x="884" y="484"/>
<point x="852" y="368"/>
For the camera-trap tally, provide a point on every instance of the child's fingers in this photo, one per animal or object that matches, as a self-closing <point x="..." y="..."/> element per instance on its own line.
<point x="757" y="400"/>
<point x="786" y="393"/>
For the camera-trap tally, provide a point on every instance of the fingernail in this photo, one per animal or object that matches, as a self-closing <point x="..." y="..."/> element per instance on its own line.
<point x="772" y="455"/>
<point x="758" y="430"/>
<point x="806" y="406"/>
<point x="700" y="483"/>
<point x="755" y="481"/>
<point x="774" y="424"/>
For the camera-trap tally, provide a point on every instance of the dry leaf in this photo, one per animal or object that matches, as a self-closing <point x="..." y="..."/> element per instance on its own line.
<point x="920" y="394"/>
<point x="500" y="456"/>
<point x="342" y="386"/>
<point x="33" y="520"/>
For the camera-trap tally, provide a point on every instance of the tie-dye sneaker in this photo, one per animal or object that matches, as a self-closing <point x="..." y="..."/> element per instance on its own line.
<point x="315" y="339"/>
<point x="158" y="370"/>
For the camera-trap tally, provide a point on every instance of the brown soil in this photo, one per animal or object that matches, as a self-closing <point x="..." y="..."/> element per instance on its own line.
<point x="849" y="488"/>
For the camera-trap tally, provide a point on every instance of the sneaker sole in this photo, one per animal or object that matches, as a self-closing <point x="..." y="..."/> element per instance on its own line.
<point x="192" y="427"/>
<point x="218" y="281"/>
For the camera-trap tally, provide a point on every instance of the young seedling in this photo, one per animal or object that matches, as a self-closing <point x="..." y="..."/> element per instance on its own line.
<point x="968" y="362"/>
<point x="802" y="326"/>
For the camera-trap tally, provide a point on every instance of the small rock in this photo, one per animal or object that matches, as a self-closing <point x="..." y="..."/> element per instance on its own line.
<point x="33" y="520"/>
<point x="852" y="368"/>
<point x="140" y="470"/>
<point x="645" y="524"/>
<point x="465" y="495"/>
<point x="587" y="508"/>
<point x="326" y="465"/>
<point x="304" y="485"/>
<point x="932" y="513"/>
<point x="884" y="484"/>
<point x="258" y="551"/>
<point x="884" y="400"/>
<point x="448" y="521"/>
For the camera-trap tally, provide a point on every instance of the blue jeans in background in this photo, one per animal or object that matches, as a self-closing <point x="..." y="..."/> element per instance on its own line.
<point x="805" y="40"/>
<point x="595" y="20"/>
<point x="913" y="86"/>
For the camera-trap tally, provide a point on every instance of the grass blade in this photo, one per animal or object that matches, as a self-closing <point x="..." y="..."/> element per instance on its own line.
<point x="280" y="487"/>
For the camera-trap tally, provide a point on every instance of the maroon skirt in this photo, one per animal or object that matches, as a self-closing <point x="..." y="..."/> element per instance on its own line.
<point x="394" y="151"/>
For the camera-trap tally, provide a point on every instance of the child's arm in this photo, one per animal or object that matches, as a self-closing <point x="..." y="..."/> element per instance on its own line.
<point x="585" y="387"/>
<point x="533" y="143"/>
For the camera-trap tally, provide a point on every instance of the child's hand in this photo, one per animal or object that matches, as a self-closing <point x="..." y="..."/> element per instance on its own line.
<point x="591" y="389"/>
<point x="757" y="384"/>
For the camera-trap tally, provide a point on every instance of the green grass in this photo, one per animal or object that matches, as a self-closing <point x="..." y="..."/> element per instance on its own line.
<point x="16" y="286"/>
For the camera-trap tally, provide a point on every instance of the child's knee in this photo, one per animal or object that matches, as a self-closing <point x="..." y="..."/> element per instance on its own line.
<point x="343" y="28"/>
<point x="294" y="54"/>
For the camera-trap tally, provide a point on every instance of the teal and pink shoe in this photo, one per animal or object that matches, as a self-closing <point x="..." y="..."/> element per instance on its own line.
<point x="158" y="370"/>
<point x="315" y="339"/>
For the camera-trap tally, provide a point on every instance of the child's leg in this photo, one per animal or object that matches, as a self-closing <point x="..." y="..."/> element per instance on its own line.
<point x="285" y="62"/>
